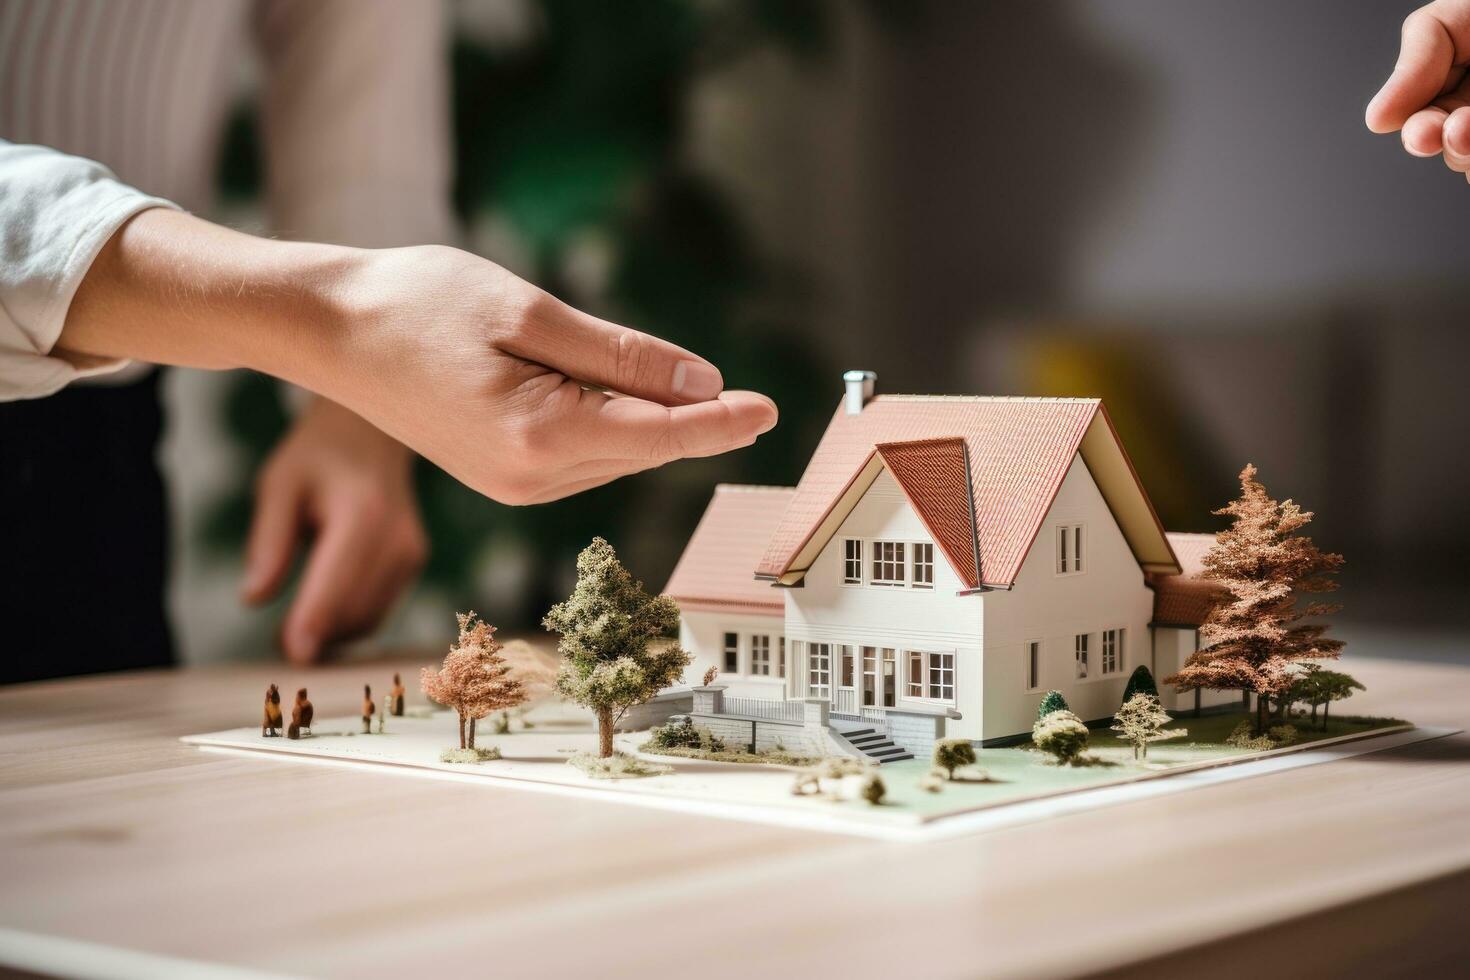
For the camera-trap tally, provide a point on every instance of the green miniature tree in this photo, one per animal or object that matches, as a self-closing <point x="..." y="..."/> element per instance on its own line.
<point x="1062" y="734"/>
<point x="608" y="627"/>
<point x="1051" y="701"/>
<point x="1322" y="687"/>
<point x="1141" y="720"/>
<point x="951" y="753"/>
<point x="1141" y="681"/>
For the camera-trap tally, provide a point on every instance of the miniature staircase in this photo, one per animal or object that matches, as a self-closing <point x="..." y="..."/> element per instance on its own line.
<point x="875" y="745"/>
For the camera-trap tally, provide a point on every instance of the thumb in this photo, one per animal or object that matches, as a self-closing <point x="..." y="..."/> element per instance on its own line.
<point x="1426" y="59"/>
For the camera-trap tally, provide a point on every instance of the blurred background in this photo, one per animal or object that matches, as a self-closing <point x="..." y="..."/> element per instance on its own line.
<point x="1172" y="205"/>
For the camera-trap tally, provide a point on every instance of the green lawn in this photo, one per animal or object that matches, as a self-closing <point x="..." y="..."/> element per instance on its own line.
<point x="1022" y="771"/>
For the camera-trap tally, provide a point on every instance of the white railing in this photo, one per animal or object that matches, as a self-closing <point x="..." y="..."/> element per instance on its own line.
<point x="765" y="708"/>
<point x="874" y="715"/>
<point x="844" y="702"/>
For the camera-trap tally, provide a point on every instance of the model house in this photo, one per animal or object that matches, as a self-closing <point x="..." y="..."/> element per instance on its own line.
<point x="945" y="558"/>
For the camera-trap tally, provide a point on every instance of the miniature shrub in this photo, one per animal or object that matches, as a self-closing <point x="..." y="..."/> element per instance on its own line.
<point x="481" y="754"/>
<point x="683" y="733"/>
<point x="1051" y="701"/>
<point x="951" y="753"/>
<point x="806" y="783"/>
<point x="873" y="789"/>
<point x="1283" y="735"/>
<point x="774" y="757"/>
<point x="931" y="782"/>
<point x="1141" y="681"/>
<point x="1241" y="738"/>
<point x="1062" y="734"/>
<point x="619" y="765"/>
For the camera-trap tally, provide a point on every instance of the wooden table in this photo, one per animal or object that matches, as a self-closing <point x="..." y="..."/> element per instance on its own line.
<point x="114" y="833"/>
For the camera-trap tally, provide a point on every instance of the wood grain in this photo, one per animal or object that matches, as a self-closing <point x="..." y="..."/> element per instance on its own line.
<point x="114" y="832"/>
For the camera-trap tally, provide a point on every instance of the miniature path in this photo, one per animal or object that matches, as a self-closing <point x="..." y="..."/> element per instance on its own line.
<point x="119" y="839"/>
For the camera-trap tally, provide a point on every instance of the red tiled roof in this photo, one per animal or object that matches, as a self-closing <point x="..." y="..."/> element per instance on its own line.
<point x="714" y="570"/>
<point x="935" y="477"/>
<point x="1185" y="599"/>
<point x="1019" y="450"/>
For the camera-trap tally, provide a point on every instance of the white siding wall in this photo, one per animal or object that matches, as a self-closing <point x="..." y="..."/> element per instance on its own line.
<point x="826" y="611"/>
<point x="1171" y="648"/>
<point x="1109" y="593"/>
<point x="703" y="635"/>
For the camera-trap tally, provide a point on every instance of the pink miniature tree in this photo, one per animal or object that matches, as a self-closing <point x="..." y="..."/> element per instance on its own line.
<point x="475" y="679"/>
<point x="1256" y="635"/>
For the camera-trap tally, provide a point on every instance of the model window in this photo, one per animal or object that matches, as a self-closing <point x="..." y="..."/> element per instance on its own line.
<point x="941" y="676"/>
<point x="819" y="675"/>
<point x="1081" y="654"/>
<point x="923" y="566"/>
<point x="1112" y="651"/>
<point x="732" y="653"/>
<point x="781" y="656"/>
<point x="888" y="563"/>
<point x="1069" y="548"/>
<point x="852" y="562"/>
<point x="760" y="654"/>
<point x="1033" y="664"/>
<point x="916" y="674"/>
<point x="846" y="666"/>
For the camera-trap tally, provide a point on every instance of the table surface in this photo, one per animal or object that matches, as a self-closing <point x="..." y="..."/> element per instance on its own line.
<point x="115" y="833"/>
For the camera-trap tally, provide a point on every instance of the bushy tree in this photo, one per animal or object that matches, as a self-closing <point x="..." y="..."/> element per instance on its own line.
<point x="475" y="679"/>
<point x="608" y="627"/>
<point x="1141" y="681"/>
<point x="873" y="789"/>
<point x="1256" y="635"/>
<point x="951" y="753"/>
<point x="1141" y="720"/>
<point x="1322" y="687"/>
<point x="1051" y="701"/>
<point x="1062" y="734"/>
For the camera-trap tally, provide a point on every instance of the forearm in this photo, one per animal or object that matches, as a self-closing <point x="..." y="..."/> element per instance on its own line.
<point x="174" y="289"/>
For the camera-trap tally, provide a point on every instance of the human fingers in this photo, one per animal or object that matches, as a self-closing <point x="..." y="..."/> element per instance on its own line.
<point x="1428" y="53"/>
<point x="345" y="544"/>
<point x="589" y="349"/>
<point x="275" y="528"/>
<point x="640" y="430"/>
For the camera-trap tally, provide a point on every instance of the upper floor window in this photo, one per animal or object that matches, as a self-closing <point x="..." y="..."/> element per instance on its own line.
<point x="852" y="562"/>
<point x="923" y="565"/>
<point x="1033" y="665"/>
<point x="760" y="654"/>
<point x="1112" y="651"/>
<point x="732" y="653"/>
<point x="1080" y="650"/>
<point x="1069" y="548"/>
<point x="888" y="563"/>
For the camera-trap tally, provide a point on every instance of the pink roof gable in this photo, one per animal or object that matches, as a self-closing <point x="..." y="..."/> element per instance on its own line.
<point x="1019" y="450"/>
<point x="935" y="477"/>
<point x="1188" y="598"/>
<point x="714" y="570"/>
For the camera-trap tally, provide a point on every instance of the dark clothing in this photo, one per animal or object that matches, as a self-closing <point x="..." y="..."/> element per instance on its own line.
<point x="83" y="533"/>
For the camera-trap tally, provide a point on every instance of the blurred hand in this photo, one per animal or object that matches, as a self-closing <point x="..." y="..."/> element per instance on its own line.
<point x="1427" y="98"/>
<point x="345" y="487"/>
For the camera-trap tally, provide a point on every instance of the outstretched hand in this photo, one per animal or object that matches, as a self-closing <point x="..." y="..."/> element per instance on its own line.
<point x="1427" y="98"/>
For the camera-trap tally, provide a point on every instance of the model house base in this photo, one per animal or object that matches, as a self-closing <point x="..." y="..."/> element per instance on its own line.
<point x="943" y="562"/>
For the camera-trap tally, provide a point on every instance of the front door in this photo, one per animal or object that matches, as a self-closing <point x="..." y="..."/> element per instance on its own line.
<point x="880" y="677"/>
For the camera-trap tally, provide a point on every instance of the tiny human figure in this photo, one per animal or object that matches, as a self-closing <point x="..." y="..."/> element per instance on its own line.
<point x="387" y="710"/>
<point x="397" y="696"/>
<point x="271" y="726"/>
<point x="300" y="716"/>
<point x="367" y="709"/>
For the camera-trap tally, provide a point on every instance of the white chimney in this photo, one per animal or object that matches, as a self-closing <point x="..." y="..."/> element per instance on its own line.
<point x="859" y="389"/>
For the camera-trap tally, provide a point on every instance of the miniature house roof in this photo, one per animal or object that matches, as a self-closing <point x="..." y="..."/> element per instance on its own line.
<point x="1013" y="454"/>
<point x="1187" y="598"/>
<point x="714" y="571"/>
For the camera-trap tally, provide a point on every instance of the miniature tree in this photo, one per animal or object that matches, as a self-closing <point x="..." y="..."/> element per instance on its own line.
<point x="951" y="753"/>
<point x="474" y="680"/>
<point x="1141" y="681"/>
<point x="1256" y="635"/>
<point x="873" y="789"/>
<point x="1062" y="734"/>
<point x="1051" y="701"/>
<point x="608" y="627"/>
<point x="1322" y="687"/>
<point x="710" y="675"/>
<point x="1141" y="720"/>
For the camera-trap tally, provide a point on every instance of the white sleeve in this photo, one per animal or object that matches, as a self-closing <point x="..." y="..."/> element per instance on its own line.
<point x="56" y="213"/>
